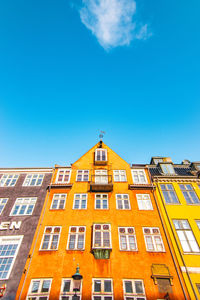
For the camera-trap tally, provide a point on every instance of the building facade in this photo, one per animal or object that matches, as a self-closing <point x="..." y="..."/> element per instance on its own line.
<point x="178" y="193"/>
<point x="101" y="214"/>
<point x="22" y="195"/>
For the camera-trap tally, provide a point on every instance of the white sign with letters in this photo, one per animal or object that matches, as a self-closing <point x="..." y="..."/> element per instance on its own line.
<point x="10" y="225"/>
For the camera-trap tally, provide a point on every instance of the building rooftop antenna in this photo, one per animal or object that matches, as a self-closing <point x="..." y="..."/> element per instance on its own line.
<point x="101" y="135"/>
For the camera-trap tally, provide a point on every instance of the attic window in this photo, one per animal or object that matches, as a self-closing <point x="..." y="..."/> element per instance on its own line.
<point x="167" y="169"/>
<point x="101" y="155"/>
<point x="157" y="160"/>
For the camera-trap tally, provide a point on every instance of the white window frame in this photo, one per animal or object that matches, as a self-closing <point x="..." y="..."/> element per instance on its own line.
<point x="183" y="231"/>
<point x="166" y="191"/>
<point x="127" y="235"/>
<point x="51" y="238"/>
<point x="81" y="195"/>
<point x="101" y="150"/>
<point x="144" y="202"/>
<point x="140" y="176"/>
<point x="102" y="177"/>
<point x="153" y="237"/>
<point x="61" y="197"/>
<point x="167" y="168"/>
<point x="82" y="175"/>
<point x="30" y="177"/>
<point x="77" y="233"/>
<point x="3" y="204"/>
<point x="119" y="173"/>
<point x="10" y="240"/>
<point x="63" y="181"/>
<point x="101" y="237"/>
<point x="101" y="201"/>
<point x="188" y="192"/>
<point x="134" y="295"/>
<point x="69" y="294"/>
<point x="5" y="177"/>
<point x="123" y="200"/>
<point x="27" y="202"/>
<point x="39" y="293"/>
<point x="102" y="293"/>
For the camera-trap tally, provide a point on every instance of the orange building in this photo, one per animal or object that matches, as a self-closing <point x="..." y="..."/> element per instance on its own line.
<point x="101" y="213"/>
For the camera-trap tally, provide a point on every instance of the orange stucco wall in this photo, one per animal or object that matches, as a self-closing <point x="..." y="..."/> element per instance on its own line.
<point x="62" y="263"/>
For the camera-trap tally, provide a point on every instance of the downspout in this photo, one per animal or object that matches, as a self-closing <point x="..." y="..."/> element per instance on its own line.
<point x="37" y="234"/>
<point x="176" y="243"/>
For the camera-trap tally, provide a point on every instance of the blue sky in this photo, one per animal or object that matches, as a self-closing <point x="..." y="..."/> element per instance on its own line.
<point x="68" y="71"/>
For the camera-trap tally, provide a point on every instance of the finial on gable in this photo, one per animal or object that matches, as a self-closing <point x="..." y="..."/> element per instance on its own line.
<point x="101" y="135"/>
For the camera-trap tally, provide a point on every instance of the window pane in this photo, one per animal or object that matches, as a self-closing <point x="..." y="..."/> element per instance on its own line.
<point x="139" y="287"/>
<point x="107" y="286"/>
<point x="45" y="286"/>
<point x="128" y="287"/>
<point x="35" y="286"/>
<point x="97" y="286"/>
<point x="66" y="287"/>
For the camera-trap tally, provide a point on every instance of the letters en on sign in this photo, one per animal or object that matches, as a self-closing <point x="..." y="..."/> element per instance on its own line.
<point x="10" y="225"/>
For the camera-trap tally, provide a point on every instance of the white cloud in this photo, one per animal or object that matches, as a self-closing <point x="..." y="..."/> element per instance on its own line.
<point x="111" y="21"/>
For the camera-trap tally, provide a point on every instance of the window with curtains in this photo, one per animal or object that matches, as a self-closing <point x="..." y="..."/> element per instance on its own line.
<point x="127" y="239"/>
<point x="50" y="238"/>
<point x="102" y="236"/>
<point x="153" y="239"/>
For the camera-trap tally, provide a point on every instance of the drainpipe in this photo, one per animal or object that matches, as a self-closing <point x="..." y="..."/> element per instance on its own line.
<point x="37" y="234"/>
<point x="196" y="297"/>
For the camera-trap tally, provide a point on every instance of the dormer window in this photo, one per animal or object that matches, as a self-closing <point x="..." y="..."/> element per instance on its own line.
<point x="100" y="156"/>
<point x="167" y="169"/>
<point x="157" y="160"/>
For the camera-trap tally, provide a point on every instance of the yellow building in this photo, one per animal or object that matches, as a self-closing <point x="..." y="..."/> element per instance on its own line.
<point x="178" y="193"/>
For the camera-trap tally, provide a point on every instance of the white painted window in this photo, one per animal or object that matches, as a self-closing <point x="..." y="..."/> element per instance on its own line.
<point x="39" y="289"/>
<point x="101" y="201"/>
<point x="102" y="289"/>
<point x="186" y="236"/>
<point x="139" y="176"/>
<point x="133" y="289"/>
<point x="102" y="236"/>
<point x="8" y="180"/>
<point x="23" y="206"/>
<point x="33" y="180"/>
<point x="122" y="201"/>
<point x="3" y="202"/>
<point x="189" y="194"/>
<point x="169" y="194"/>
<point x="50" y="238"/>
<point x="127" y="239"/>
<point x="80" y="201"/>
<point x="66" y="292"/>
<point x="9" y="247"/>
<point x="76" y="238"/>
<point x="167" y="169"/>
<point x="101" y="176"/>
<point x="153" y="239"/>
<point x="119" y="175"/>
<point x="63" y="176"/>
<point x="58" y="201"/>
<point x="101" y="155"/>
<point x="82" y="175"/>
<point x="144" y="202"/>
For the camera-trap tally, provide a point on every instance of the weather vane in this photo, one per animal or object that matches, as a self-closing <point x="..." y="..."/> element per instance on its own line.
<point x="102" y="133"/>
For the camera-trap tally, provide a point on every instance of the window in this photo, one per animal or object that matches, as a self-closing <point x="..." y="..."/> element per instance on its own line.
<point x="63" y="176"/>
<point x="133" y="289"/>
<point x="82" y="175"/>
<point x="67" y="292"/>
<point x="33" y="180"/>
<point x="80" y="201"/>
<point x="58" y="201"/>
<point x="189" y="194"/>
<point x="101" y="155"/>
<point x="158" y="160"/>
<point x="76" y="238"/>
<point x="153" y="239"/>
<point x="23" y="206"/>
<point x="51" y="238"/>
<point x="122" y="201"/>
<point x="139" y="176"/>
<point x="169" y="194"/>
<point x="167" y="169"/>
<point x="8" y="180"/>
<point x="3" y="202"/>
<point x="186" y="236"/>
<point x="102" y="289"/>
<point x="198" y="223"/>
<point x="102" y="236"/>
<point x="101" y="176"/>
<point x="119" y="175"/>
<point x="144" y="202"/>
<point x="101" y="201"/>
<point x="39" y="289"/>
<point x="127" y="239"/>
<point x="9" y="246"/>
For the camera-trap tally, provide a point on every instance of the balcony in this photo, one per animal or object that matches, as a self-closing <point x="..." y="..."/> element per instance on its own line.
<point x="101" y="183"/>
